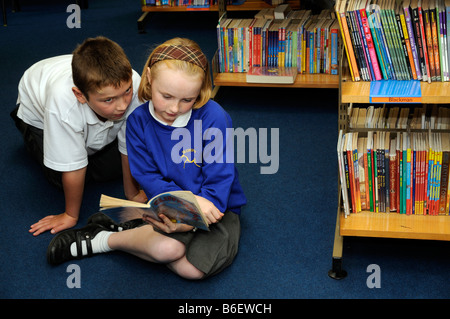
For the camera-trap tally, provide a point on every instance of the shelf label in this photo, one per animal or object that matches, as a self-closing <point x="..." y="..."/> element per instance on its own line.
<point x="393" y="91"/>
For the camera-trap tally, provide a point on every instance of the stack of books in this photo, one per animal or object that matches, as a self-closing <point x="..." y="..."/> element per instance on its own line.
<point x="389" y="167"/>
<point x="402" y="172"/>
<point x="425" y="117"/>
<point x="396" y="40"/>
<point x="300" y="40"/>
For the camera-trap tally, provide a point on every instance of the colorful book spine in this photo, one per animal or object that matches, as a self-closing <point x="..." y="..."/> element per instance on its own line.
<point x="345" y="35"/>
<point x="409" y="27"/>
<point x="370" y="45"/>
<point x="424" y="44"/>
<point x="447" y="29"/>
<point x="429" y="42"/>
<point x="435" y="40"/>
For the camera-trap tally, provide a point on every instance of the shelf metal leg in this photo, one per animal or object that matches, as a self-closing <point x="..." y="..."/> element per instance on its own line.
<point x="142" y="21"/>
<point x="5" y="21"/>
<point x="336" y="271"/>
<point x="215" y="91"/>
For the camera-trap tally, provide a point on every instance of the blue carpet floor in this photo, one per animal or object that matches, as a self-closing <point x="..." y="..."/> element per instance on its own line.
<point x="287" y="226"/>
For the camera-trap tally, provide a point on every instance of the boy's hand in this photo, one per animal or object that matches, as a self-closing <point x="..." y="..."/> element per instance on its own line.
<point x="140" y="197"/>
<point x="54" y="223"/>
<point x="213" y="215"/>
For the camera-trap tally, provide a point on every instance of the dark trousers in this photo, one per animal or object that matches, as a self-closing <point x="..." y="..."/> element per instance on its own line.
<point x="104" y="165"/>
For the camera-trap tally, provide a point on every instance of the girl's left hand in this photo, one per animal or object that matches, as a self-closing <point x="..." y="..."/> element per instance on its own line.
<point x="167" y="225"/>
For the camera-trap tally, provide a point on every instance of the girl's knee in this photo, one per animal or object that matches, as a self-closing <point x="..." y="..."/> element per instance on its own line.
<point x="169" y="250"/>
<point x="192" y="274"/>
<point x="183" y="268"/>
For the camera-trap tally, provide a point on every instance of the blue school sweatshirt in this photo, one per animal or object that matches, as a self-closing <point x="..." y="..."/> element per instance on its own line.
<point x="195" y="157"/>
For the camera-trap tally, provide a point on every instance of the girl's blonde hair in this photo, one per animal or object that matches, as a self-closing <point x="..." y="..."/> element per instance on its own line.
<point x="145" y="92"/>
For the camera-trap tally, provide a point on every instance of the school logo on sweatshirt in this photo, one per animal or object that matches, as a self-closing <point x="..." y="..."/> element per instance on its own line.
<point x="188" y="157"/>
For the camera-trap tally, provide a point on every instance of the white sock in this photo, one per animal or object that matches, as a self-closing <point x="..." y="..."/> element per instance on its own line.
<point x="99" y="244"/>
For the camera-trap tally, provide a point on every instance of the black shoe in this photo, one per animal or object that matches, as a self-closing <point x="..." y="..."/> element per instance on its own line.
<point x="58" y="250"/>
<point x="107" y="222"/>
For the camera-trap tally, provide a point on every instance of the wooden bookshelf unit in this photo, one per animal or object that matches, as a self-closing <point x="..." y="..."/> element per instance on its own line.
<point x="324" y="81"/>
<point x="382" y="225"/>
<point x="393" y="225"/>
<point x="358" y="92"/>
<point x="248" y="5"/>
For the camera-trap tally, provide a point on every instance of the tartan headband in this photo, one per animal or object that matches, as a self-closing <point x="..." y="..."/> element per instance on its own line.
<point x="179" y="52"/>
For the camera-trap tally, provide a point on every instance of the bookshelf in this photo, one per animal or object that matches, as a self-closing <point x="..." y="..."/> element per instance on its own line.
<point x="382" y="225"/>
<point x="221" y="7"/>
<point x="324" y="81"/>
<point x="238" y="79"/>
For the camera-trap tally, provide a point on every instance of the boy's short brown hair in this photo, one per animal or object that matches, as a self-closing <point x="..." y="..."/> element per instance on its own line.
<point x="97" y="63"/>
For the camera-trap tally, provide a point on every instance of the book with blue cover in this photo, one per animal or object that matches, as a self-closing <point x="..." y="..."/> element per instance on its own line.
<point x="394" y="91"/>
<point x="179" y="206"/>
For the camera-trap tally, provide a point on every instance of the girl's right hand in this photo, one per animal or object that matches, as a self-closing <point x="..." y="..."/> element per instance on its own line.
<point x="213" y="215"/>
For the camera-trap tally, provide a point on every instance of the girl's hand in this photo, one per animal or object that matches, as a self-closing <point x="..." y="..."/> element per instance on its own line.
<point x="213" y="215"/>
<point x="167" y="225"/>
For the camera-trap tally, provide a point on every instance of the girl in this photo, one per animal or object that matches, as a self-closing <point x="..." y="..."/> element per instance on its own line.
<point x="176" y="141"/>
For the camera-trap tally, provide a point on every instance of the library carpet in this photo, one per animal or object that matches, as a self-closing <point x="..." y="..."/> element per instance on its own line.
<point x="287" y="226"/>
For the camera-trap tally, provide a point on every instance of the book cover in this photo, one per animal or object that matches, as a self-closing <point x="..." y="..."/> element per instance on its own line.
<point x="391" y="91"/>
<point x="370" y="44"/>
<point x="429" y="40"/>
<point x="397" y="46"/>
<point x="410" y="28"/>
<point x="406" y="45"/>
<point x="180" y="206"/>
<point x="390" y="40"/>
<point x="357" y="44"/>
<point x="424" y="43"/>
<point x="447" y="28"/>
<point x="418" y="38"/>
<point x="343" y="172"/>
<point x="385" y="43"/>
<point x="440" y="34"/>
<point x="435" y="40"/>
<point x="345" y="35"/>
<point x="278" y="75"/>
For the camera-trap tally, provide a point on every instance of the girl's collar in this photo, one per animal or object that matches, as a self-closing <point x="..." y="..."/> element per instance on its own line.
<point x="180" y="121"/>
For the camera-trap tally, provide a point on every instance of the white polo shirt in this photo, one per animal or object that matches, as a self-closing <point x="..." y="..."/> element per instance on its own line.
<point x="72" y="130"/>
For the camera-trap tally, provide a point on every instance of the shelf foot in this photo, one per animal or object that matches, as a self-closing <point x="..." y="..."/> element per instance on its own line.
<point x="336" y="271"/>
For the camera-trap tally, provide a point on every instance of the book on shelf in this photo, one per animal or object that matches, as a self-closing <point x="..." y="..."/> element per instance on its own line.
<point x="396" y="40"/>
<point x="263" y="74"/>
<point x="391" y="91"/>
<point x="179" y="206"/>
<point x="281" y="11"/>
<point x="301" y="40"/>
<point x="420" y="117"/>
<point x="389" y="167"/>
<point x="394" y="172"/>
<point x="189" y="4"/>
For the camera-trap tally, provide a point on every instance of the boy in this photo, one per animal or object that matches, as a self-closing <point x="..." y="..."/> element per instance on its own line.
<point x="72" y="112"/>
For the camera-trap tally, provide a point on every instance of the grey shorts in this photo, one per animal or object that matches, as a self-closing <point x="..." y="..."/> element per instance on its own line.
<point x="212" y="251"/>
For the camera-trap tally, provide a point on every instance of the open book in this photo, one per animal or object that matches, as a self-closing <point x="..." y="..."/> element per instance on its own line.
<point x="179" y="206"/>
